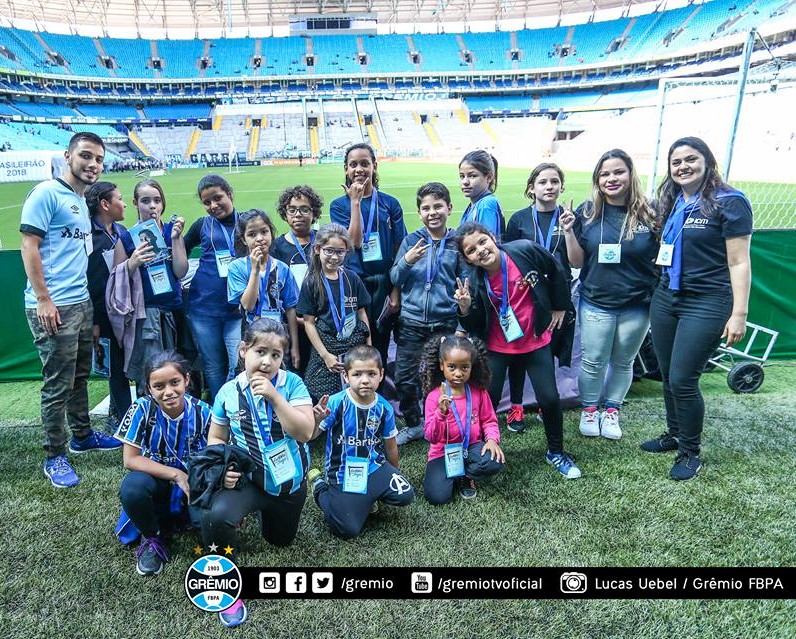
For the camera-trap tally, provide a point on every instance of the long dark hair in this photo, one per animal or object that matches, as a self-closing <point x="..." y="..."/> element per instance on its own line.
<point x="240" y="229"/>
<point x="361" y="145"/>
<point x="468" y="228"/>
<point x="322" y="237"/>
<point x="166" y="358"/>
<point x="485" y="163"/>
<point x="265" y="326"/>
<point x="155" y="185"/>
<point x="96" y="193"/>
<point x="434" y="352"/>
<point x="668" y="191"/>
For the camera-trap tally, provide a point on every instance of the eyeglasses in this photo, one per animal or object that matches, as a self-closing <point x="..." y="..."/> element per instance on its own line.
<point x="293" y="211"/>
<point x="329" y="252"/>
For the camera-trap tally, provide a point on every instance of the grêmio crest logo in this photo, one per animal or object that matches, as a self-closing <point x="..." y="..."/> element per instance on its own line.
<point x="213" y="583"/>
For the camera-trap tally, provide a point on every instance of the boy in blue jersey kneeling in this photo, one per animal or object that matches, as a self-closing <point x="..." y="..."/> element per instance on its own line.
<point x="361" y="453"/>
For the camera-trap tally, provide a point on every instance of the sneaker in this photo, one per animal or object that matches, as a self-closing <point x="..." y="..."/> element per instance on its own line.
<point x="686" y="466"/>
<point x="60" y="472"/>
<point x="314" y="479"/>
<point x="467" y="488"/>
<point x="95" y="441"/>
<point x="663" y="443"/>
<point x="152" y="557"/>
<point x="409" y="434"/>
<point x="235" y="615"/>
<point x="564" y="463"/>
<point x="609" y="424"/>
<point x="590" y="423"/>
<point x="515" y="420"/>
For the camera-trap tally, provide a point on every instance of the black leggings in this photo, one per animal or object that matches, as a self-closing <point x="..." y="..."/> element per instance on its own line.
<point x="686" y="330"/>
<point x="279" y="515"/>
<point x="540" y="368"/>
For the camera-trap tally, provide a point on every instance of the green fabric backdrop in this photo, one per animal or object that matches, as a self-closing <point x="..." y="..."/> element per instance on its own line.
<point x="772" y="304"/>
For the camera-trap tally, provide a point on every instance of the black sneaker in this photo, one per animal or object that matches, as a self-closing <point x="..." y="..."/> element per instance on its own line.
<point x="663" y="443"/>
<point x="467" y="489"/>
<point x="686" y="466"/>
<point x="152" y="557"/>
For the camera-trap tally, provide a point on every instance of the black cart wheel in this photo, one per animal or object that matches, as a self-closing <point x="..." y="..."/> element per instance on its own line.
<point x="745" y="377"/>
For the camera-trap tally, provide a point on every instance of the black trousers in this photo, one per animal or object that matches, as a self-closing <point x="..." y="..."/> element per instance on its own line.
<point x="438" y="487"/>
<point x="379" y="287"/>
<point x="540" y="368"/>
<point x="118" y="384"/>
<point x="145" y="499"/>
<point x="279" y="515"/>
<point x="411" y="338"/>
<point x="686" y="330"/>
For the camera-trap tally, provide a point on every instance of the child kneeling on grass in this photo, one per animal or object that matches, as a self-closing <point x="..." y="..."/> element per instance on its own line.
<point x="460" y="421"/>
<point x="361" y="453"/>
<point x="160" y="431"/>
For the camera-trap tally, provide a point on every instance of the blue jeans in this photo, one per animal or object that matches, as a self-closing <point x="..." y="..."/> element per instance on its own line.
<point x="609" y="337"/>
<point x="218" y="339"/>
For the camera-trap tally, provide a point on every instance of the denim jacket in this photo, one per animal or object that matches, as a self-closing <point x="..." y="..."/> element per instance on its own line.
<point x="435" y="305"/>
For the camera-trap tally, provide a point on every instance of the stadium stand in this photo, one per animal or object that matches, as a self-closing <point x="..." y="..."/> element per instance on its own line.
<point x="231" y="57"/>
<point x="388" y="54"/>
<point x="131" y="56"/>
<point x="177" y="111"/>
<point x="109" y="111"/>
<point x="336" y="54"/>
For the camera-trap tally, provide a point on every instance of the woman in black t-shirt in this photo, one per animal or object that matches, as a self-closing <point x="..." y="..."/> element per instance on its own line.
<point x="703" y="294"/>
<point x="611" y="239"/>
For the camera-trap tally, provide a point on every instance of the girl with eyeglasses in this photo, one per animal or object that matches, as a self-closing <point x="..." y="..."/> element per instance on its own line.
<point x="333" y="301"/>
<point x="300" y="206"/>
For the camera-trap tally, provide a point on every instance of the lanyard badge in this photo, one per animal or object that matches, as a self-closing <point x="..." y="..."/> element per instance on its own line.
<point x="546" y="240"/>
<point x="434" y="262"/>
<point x="509" y="324"/>
<point x="355" y="472"/>
<point x="344" y="325"/>
<point x="371" y="246"/>
<point x="278" y="459"/>
<point x="455" y="454"/>
<point x="223" y="256"/>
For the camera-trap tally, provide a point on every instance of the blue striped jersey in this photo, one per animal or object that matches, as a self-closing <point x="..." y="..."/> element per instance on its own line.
<point x="232" y="410"/>
<point x="164" y="440"/>
<point x="278" y="291"/>
<point x="354" y="430"/>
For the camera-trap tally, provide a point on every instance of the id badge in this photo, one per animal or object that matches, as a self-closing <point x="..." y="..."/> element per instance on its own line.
<point x="108" y="257"/>
<point x="299" y="273"/>
<point x="280" y="462"/>
<point x="371" y="250"/>
<point x="511" y="327"/>
<point x="274" y="315"/>
<point x="159" y="279"/>
<point x="609" y="254"/>
<point x="665" y="254"/>
<point x="454" y="460"/>
<point x="348" y="327"/>
<point x="88" y="242"/>
<point x="355" y="478"/>
<point x="223" y="258"/>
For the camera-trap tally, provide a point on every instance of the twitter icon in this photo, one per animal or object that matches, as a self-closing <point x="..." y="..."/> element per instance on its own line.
<point x="322" y="582"/>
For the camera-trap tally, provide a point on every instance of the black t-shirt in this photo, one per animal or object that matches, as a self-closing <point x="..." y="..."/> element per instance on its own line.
<point x="615" y="285"/>
<point x="288" y="253"/>
<point x="522" y="227"/>
<point x="98" y="271"/>
<point x="705" y="267"/>
<point x="356" y="297"/>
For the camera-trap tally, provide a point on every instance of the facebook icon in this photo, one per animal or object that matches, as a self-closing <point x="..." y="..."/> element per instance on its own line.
<point x="296" y="582"/>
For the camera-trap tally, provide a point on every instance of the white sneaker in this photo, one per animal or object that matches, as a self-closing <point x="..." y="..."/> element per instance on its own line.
<point x="609" y="425"/>
<point x="590" y="423"/>
<point x="409" y="434"/>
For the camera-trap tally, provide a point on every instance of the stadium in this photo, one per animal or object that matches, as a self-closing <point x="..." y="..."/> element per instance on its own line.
<point x="271" y="94"/>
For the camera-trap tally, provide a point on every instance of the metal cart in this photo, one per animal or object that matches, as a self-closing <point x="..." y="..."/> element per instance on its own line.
<point x="745" y="376"/>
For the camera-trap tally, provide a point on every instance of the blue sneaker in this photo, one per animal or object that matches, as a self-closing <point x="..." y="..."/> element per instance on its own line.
<point x="60" y="472"/>
<point x="95" y="441"/>
<point x="235" y="615"/>
<point x="564" y="463"/>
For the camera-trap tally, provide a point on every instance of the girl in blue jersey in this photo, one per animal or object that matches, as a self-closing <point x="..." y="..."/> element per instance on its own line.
<point x="265" y="411"/>
<point x="361" y="452"/>
<point x="214" y="320"/>
<point x="300" y="206"/>
<point x="333" y="301"/>
<point x="262" y="285"/>
<point x="160" y="277"/>
<point x="160" y="431"/>
<point x="478" y="176"/>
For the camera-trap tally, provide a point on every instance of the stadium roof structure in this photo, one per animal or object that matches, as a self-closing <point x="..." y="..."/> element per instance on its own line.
<point x="247" y="17"/>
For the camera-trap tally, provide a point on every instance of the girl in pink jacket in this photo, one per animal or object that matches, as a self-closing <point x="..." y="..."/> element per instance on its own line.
<point x="460" y="421"/>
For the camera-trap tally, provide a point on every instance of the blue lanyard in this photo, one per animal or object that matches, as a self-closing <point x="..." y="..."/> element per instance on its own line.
<point x="464" y="427"/>
<point x="679" y="205"/>
<point x="265" y="430"/>
<point x="230" y="236"/>
<point x="374" y="214"/>
<point x="263" y="300"/>
<point x="433" y="265"/>
<point x="548" y="240"/>
<point x="370" y="447"/>
<point x="504" y="297"/>
<point x="474" y="205"/>
<point x="178" y="450"/>
<point x="299" y="250"/>
<point x="339" y="320"/>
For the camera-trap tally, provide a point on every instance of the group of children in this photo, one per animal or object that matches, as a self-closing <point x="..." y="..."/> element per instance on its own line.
<point x="312" y="354"/>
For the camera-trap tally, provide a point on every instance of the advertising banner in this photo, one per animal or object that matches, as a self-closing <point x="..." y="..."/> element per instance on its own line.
<point x="26" y="166"/>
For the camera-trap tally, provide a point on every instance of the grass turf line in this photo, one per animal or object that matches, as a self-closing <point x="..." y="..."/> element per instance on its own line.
<point x="71" y="577"/>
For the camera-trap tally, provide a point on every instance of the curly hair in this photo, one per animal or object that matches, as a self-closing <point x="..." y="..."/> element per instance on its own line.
<point x="434" y="352"/>
<point x="300" y="190"/>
